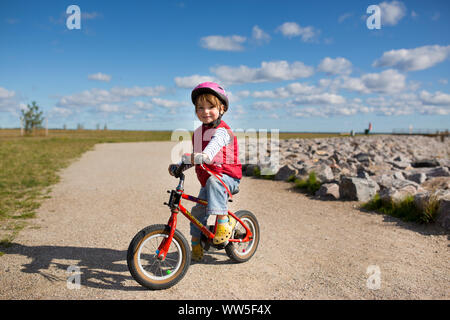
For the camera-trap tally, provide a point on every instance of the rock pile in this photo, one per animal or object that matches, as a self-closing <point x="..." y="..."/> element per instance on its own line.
<point x="357" y="168"/>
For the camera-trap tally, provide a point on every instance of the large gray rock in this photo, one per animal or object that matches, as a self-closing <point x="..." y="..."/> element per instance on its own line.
<point x="399" y="190"/>
<point x="417" y="177"/>
<point x="285" y="172"/>
<point x="425" y="163"/>
<point x="363" y="157"/>
<point x="384" y="180"/>
<point x="324" y="173"/>
<point x="328" y="191"/>
<point x="389" y="195"/>
<point x="438" y="172"/>
<point x="359" y="189"/>
<point x="443" y="217"/>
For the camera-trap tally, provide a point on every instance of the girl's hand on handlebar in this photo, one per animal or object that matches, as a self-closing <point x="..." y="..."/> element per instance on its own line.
<point x="195" y="158"/>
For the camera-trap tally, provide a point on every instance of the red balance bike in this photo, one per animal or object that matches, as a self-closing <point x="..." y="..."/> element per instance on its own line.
<point x="159" y="255"/>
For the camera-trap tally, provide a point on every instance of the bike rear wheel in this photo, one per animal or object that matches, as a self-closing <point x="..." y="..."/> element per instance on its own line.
<point x="144" y="265"/>
<point x="243" y="251"/>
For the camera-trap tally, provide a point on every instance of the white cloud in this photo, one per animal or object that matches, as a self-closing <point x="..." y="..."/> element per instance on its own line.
<point x="319" y="99"/>
<point x="266" y="105"/>
<point x="9" y="101"/>
<point x="108" y="108"/>
<point x="388" y="81"/>
<point x="60" y="112"/>
<point x="292" y="29"/>
<point x="410" y="103"/>
<point x="192" y="81"/>
<point x="413" y="59"/>
<point x="290" y="90"/>
<point x="6" y="94"/>
<point x="269" y="71"/>
<point x="168" y="103"/>
<point x="392" y="12"/>
<point x="353" y="84"/>
<point x="437" y="98"/>
<point x="221" y="43"/>
<point x="143" y="105"/>
<point x="94" y="97"/>
<point x="100" y="77"/>
<point x="335" y="66"/>
<point x="138" y="91"/>
<point x="434" y="110"/>
<point x="259" y="35"/>
<point x="325" y="112"/>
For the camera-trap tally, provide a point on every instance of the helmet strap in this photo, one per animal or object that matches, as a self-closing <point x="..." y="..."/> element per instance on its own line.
<point x="216" y="122"/>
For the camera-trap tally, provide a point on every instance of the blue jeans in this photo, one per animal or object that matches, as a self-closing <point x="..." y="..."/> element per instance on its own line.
<point x="217" y="196"/>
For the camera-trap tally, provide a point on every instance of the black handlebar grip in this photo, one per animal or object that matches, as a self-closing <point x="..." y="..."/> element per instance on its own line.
<point x="179" y="170"/>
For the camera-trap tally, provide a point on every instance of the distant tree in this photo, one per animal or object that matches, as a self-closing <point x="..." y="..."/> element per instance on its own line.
<point x="105" y="127"/>
<point x="32" y="117"/>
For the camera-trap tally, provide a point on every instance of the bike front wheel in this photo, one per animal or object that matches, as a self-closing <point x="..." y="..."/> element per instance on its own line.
<point x="143" y="262"/>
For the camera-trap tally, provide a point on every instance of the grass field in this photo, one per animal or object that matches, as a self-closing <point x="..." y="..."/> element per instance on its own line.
<point x="29" y="166"/>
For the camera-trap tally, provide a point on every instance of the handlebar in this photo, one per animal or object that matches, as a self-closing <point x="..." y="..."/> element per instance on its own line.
<point x="179" y="171"/>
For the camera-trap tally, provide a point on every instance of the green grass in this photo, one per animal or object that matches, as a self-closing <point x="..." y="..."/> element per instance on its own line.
<point x="29" y="166"/>
<point x="311" y="184"/>
<point x="405" y="210"/>
<point x="257" y="173"/>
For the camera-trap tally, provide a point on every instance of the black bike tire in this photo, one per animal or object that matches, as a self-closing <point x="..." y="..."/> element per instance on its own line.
<point x="230" y="249"/>
<point x="132" y="257"/>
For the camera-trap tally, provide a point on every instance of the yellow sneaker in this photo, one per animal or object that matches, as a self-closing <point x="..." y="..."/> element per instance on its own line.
<point x="223" y="232"/>
<point x="197" y="252"/>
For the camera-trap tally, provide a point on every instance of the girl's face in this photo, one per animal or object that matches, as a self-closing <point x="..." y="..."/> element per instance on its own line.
<point x="207" y="112"/>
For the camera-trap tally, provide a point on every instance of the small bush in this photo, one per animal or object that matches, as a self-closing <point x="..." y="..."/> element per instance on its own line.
<point x="291" y="178"/>
<point x="405" y="209"/>
<point x="311" y="184"/>
<point x="257" y="173"/>
<point x="430" y="211"/>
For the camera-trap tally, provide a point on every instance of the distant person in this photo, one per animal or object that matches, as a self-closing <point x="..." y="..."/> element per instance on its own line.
<point x="367" y="131"/>
<point x="216" y="147"/>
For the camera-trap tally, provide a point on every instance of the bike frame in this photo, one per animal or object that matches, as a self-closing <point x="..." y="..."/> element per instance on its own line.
<point x="176" y="207"/>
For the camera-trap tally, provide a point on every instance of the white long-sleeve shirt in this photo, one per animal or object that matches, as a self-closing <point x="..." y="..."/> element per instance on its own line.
<point x="220" y="139"/>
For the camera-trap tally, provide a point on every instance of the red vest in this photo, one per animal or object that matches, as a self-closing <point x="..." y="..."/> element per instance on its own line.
<point x="226" y="160"/>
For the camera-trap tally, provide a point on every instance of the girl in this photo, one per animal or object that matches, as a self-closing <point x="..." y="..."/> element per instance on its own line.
<point x="216" y="147"/>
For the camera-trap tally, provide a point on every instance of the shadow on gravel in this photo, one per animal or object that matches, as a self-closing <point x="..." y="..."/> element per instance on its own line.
<point x="424" y="229"/>
<point x="209" y="258"/>
<point x="99" y="267"/>
<point x="431" y="229"/>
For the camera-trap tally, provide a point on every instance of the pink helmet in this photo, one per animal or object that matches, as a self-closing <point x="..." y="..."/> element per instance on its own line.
<point x="213" y="88"/>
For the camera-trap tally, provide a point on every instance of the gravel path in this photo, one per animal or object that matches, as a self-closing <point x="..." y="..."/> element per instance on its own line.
<point x="309" y="249"/>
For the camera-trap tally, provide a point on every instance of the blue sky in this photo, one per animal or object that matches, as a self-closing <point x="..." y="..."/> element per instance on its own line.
<point x="287" y="65"/>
